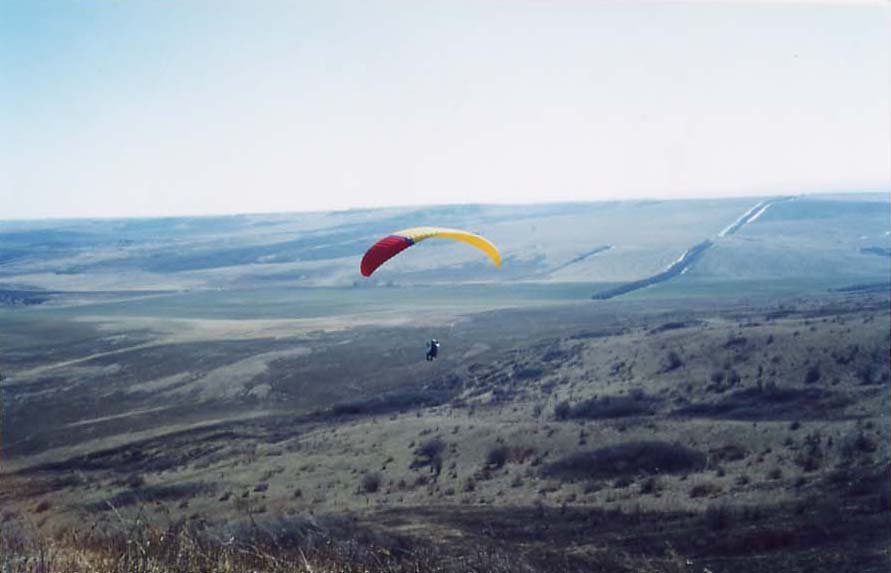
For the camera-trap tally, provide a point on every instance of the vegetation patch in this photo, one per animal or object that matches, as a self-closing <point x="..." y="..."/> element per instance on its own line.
<point x="637" y="404"/>
<point x="676" y="325"/>
<point x="770" y="404"/>
<point x="629" y="458"/>
<point x="728" y="453"/>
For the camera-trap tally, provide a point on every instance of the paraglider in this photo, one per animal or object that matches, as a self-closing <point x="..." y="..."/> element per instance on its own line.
<point x="391" y="245"/>
<point x="432" y="350"/>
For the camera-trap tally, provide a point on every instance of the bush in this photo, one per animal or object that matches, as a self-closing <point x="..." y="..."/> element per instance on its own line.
<point x="629" y="458"/>
<point x="135" y="481"/>
<point x="497" y="457"/>
<point x="621" y="482"/>
<point x="671" y="362"/>
<point x="562" y="410"/>
<point x="858" y="443"/>
<point x="429" y="453"/>
<point x="812" y="375"/>
<point x="430" y="448"/>
<point x="371" y="483"/>
<point x="733" y="377"/>
<point x="811" y="458"/>
<point x="770" y="403"/>
<point x="705" y="490"/>
<point x="651" y="485"/>
<point x="728" y="453"/>
<point x="613" y="407"/>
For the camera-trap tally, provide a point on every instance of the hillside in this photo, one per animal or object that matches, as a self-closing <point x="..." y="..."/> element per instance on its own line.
<point x="162" y="382"/>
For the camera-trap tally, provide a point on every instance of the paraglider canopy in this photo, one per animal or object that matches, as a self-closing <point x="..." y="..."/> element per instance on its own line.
<point x="392" y="245"/>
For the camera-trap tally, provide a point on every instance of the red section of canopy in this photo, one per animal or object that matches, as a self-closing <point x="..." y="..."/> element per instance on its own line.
<point x="382" y="251"/>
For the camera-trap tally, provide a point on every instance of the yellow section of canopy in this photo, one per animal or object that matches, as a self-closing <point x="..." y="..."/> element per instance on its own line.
<point x="418" y="234"/>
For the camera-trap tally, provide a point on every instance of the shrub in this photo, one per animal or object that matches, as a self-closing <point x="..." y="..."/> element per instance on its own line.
<point x="812" y="375"/>
<point x="497" y="457"/>
<point x="811" y="458"/>
<point x="770" y="403"/>
<point x="728" y="453"/>
<point x="429" y="453"/>
<point x="706" y="489"/>
<point x="671" y="362"/>
<point x="135" y="480"/>
<point x="651" y="485"/>
<point x="621" y="482"/>
<point x="613" y="407"/>
<point x="858" y="443"/>
<point x="562" y="410"/>
<point x="629" y="458"/>
<point x="733" y="378"/>
<point x="371" y="482"/>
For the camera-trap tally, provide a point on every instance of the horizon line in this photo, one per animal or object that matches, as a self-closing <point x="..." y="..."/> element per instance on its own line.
<point x="210" y="215"/>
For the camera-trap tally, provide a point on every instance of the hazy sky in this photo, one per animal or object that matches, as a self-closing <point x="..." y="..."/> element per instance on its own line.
<point x="128" y="107"/>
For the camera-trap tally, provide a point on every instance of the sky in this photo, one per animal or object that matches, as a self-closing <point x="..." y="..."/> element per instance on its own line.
<point x="153" y="107"/>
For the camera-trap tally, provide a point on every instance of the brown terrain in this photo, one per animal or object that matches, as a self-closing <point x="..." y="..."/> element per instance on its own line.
<point x="619" y="436"/>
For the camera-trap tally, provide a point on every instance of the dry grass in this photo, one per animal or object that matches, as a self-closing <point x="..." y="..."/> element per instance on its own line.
<point x="135" y="546"/>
